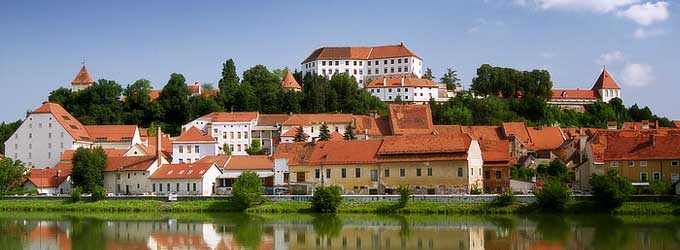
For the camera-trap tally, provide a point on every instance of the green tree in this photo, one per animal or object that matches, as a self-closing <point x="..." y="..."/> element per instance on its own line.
<point x="620" y="111"/>
<point x="660" y="187"/>
<point x="511" y="82"/>
<point x="405" y="193"/>
<point x="174" y="102"/>
<point x="597" y="115"/>
<point x="610" y="190"/>
<point x="12" y="173"/>
<point x="267" y="87"/>
<point x="556" y="168"/>
<point x="324" y="133"/>
<point x="315" y="89"/>
<point x="226" y="150"/>
<point x="246" y="99"/>
<point x="291" y="101"/>
<point x="553" y="196"/>
<point x="99" y="103"/>
<point x="300" y="135"/>
<point x="201" y="105"/>
<point x="398" y="100"/>
<point x="207" y="86"/>
<point x="229" y="85"/>
<point x="152" y="130"/>
<point x="349" y="132"/>
<point x="450" y="78"/>
<point x="137" y="105"/>
<point x="255" y="148"/>
<point x="88" y="165"/>
<point x="343" y="89"/>
<point x="326" y="199"/>
<point x="428" y="74"/>
<point x="247" y="190"/>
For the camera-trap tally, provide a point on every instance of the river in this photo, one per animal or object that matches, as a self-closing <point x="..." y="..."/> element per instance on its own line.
<point x="131" y="231"/>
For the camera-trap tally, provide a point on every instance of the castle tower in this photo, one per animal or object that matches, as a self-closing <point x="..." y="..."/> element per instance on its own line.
<point x="82" y="80"/>
<point x="606" y="87"/>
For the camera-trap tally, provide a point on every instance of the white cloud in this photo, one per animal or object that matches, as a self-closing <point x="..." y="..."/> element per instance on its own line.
<point x="601" y="6"/>
<point x="642" y="33"/>
<point x="634" y="74"/>
<point x="646" y="13"/>
<point x="610" y="57"/>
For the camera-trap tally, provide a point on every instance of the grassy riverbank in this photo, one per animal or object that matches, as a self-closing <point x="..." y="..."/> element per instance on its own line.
<point x="419" y="207"/>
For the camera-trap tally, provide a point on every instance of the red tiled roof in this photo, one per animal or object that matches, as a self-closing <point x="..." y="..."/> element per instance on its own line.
<point x="67" y="155"/>
<point x="111" y="133"/>
<point x="166" y="143"/>
<point x="289" y="81"/>
<point x="410" y="119"/>
<point x="344" y="152"/>
<point x="83" y="77"/>
<point x="219" y="160"/>
<point x="364" y="124"/>
<point x="44" y="178"/>
<point x="639" y="125"/>
<point x="271" y="119"/>
<point x="495" y="152"/>
<point x="545" y="138"/>
<point x="359" y="53"/>
<point x="307" y="119"/>
<point x="635" y="145"/>
<point x="425" y="144"/>
<point x="129" y="163"/>
<point x="182" y="171"/>
<point x="67" y="121"/>
<point x="676" y="124"/>
<point x="397" y="82"/>
<point x="605" y="81"/>
<point x="518" y="129"/>
<point x="194" y="135"/>
<point x="296" y="152"/>
<point x="574" y="94"/>
<point x="231" y="116"/>
<point x="292" y="132"/>
<point x="154" y="94"/>
<point x="250" y="162"/>
<point x="194" y="88"/>
<point x="210" y="92"/>
<point x="335" y="136"/>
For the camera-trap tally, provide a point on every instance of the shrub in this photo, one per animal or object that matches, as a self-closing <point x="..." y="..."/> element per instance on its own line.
<point x="246" y="190"/>
<point x="660" y="187"/>
<point x="554" y="195"/>
<point x="75" y="195"/>
<point x="405" y="194"/>
<point x="326" y="199"/>
<point x="98" y="193"/>
<point x="476" y="191"/>
<point x="504" y="199"/>
<point x="610" y="190"/>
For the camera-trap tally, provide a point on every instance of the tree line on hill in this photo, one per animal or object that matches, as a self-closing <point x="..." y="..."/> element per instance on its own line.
<point x="500" y="95"/>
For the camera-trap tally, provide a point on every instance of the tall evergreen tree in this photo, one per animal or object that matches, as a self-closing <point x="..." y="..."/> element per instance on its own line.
<point x="324" y="133"/>
<point x="228" y="85"/>
<point x="349" y="132"/>
<point x="300" y="135"/>
<point x="174" y="101"/>
<point x="267" y="87"/>
<point x="246" y="98"/>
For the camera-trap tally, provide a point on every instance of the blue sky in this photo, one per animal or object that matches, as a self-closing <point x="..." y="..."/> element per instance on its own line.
<point x="42" y="42"/>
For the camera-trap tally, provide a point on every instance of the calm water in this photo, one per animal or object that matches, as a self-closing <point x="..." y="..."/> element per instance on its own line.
<point x="238" y="231"/>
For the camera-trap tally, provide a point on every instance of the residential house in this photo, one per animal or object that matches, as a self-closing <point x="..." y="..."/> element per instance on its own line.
<point x="235" y="165"/>
<point x="268" y="130"/>
<point x="193" y="145"/>
<point x="410" y="89"/>
<point x="185" y="179"/>
<point x="233" y="129"/>
<point x="604" y="89"/>
<point x="364" y="63"/>
<point x="311" y="124"/>
<point x="49" y="181"/>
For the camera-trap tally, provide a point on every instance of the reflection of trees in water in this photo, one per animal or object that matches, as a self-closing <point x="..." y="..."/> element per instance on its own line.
<point x="10" y="235"/>
<point x="405" y="227"/>
<point x="552" y="227"/>
<point x="87" y="234"/>
<point x="248" y="231"/>
<point x="504" y="224"/>
<point x="610" y="232"/>
<point x="327" y="225"/>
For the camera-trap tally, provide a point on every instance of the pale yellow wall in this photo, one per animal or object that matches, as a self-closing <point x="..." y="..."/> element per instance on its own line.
<point x="633" y="173"/>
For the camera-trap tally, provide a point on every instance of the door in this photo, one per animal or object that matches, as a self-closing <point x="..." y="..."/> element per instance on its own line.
<point x="374" y="175"/>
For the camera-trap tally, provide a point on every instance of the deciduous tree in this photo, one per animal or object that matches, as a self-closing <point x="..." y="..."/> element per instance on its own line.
<point x="88" y="165"/>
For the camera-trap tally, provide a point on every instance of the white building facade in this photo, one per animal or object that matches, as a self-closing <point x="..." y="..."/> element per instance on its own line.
<point x="231" y="128"/>
<point x="408" y="89"/>
<point x="364" y="63"/>
<point x="185" y="179"/>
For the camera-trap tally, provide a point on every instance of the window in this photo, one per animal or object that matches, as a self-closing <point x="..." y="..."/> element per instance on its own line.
<point x="387" y="172"/>
<point x="194" y="184"/>
<point x="398" y="69"/>
<point x="429" y="171"/>
<point x="355" y="63"/>
<point x="418" y="172"/>
<point x="49" y="135"/>
<point x="369" y="63"/>
<point x="153" y="187"/>
<point x="176" y="186"/>
<point x="343" y="172"/>
<point x="347" y="71"/>
<point x="399" y="60"/>
<point x="238" y="146"/>
<point x="357" y="172"/>
<point x="160" y="187"/>
<point x="239" y="134"/>
<point x="460" y="172"/>
<point x="385" y="70"/>
<point x="643" y="163"/>
<point x="472" y="172"/>
<point x="675" y="177"/>
<point x="30" y="135"/>
<point x="369" y="71"/>
<point x="168" y="185"/>
<point x="405" y="69"/>
<point x="656" y="176"/>
<point x="231" y="135"/>
<point x="245" y="135"/>
<point x="392" y="70"/>
<point x="323" y="63"/>
<point x="643" y="176"/>
<point x="196" y="149"/>
<point x="355" y="71"/>
<point x="405" y="60"/>
<point x="317" y="173"/>
<point x="675" y="163"/>
<point x="337" y="63"/>
<point x="402" y="172"/>
<point x="377" y="62"/>
<point x="377" y="71"/>
<point x="374" y="175"/>
<point x="614" y="164"/>
<point x="224" y="135"/>
<point x="631" y="164"/>
<point x="346" y="63"/>
<point x="361" y="63"/>
<point x="498" y="174"/>
<point x="188" y="149"/>
<point x="385" y="62"/>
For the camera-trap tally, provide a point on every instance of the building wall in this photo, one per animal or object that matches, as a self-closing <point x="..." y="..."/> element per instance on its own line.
<point x="63" y="188"/>
<point x="359" y="69"/>
<point x="313" y="130"/>
<point x="280" y="170"/>
<point x="663" y="168"/>
<point x="39" y="141"/>
<point x="408" y="94"/>
<point x="493" y="184"/>
<point x="608" y="94"/>
<point x="475" y="162"/>
<point x="136" y="182"/>
<point x="228" y="133"/>
<point x="188" y="154"/>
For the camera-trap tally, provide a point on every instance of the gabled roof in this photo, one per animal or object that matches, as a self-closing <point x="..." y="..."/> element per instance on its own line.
<point x="608" y="145"/>
<point x="230" y="116"/>
<point x="546" y="138"/>
<point x="182" y="171"/>
<point x="111" y="133"/>
<point x="518" y="129"/>
<point x="194" y="135"/>
<point x="335" y="136"/>
<point x="65" y="119"/>
<point x="250" y="162"/>
<point x="364" y="124"/>
<point x="495" y="152"/>
<point x="271" y="119"/>
<point x="397" y="82"/>
<point x="360" y="53"/>
<point x="83" y="77"/>
<point x="129" y="163"/>
<point x="289" y="81"/>
<point x="676" y="123"/>
<point x="291" y="133"/>
<point x="562" y="94"/>
<point x="344" y="152"/>
<point x="425" y="144"/>
<point x="219" y="160"/>
<point x="605" y="81"/>
<point x="410" y="119"/>
<point x="296" y="152"/>
<point x="47" y="177"/>
<point x="308" y="119"/>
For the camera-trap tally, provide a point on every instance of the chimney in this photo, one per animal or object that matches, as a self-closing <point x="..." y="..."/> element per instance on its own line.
<point x="611" y="125"/>
<point x="58" y="172"/>
<point x="402" y="81"/>
<point x="384" y="81"/>
<point x="645" y="124"/>
<point x="373" y="113"/>
<point x="652" y="140"/>
<point x="159" y="134"/>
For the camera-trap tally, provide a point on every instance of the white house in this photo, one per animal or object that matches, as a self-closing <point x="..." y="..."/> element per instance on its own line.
<point x="408" y="89"/>
<point x="185" y="179"/>
<point x="311" y="124"/>
<point x="231" y="128"/>
<point x="50" y="181"/>
<point x="193" y="145"/>
<point x="364" y="63"/>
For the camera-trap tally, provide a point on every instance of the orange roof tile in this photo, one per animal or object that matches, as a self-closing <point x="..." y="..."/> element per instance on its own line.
<point x="292" y="132"/>
<point x="65" y="119"/>
<point x="359" y="53"/>
<point x="546" y="138"/>
<point x="67" y="155"/>
<point x="83" y="77"/>
<point x="271" y="119"/>
<point x="364" y="124"/>
<point x="194" y="88"/>
<point x="154" y="94"/>
<point x="410" y="119"/>
<point x="289" y="81"/>
<point x="194" y="135"/>
<point x="605" y="81"/>
<point x="111" y="133"/>
<point x="308" y="119"/>
<point x="296" y="152"/>
<point x="397" y="82"/>
<point x="166" y="143"/>
<point x="129" y="163"/>
<point x="495" y="152"/>
<point x="219" y="160"/>
<point x="518" y="129"/>
<point x="425" y="144"/>
<point x="640" y="125"/>
<point x="610" y="145"/>
<point x="344" y="152"/>
<point x="574" y="94"/>
<point x="335" y="136"/>
<point x="231" y="116"/>
<point x="182" y="171"/>
<point x="676" y="123"/>
<point x="250" y="162"/>
<point x="47" y="177"/>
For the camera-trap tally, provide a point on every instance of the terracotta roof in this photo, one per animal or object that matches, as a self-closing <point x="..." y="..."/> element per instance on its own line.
<point x="194" y="88"/>
<point x="545" y="138"/>
<point x="194" y="135"/>
<point x="364" y="124"/>
<point x="271" y="119"/>
<point x="635" y="145"/>
<point x="676" y="123"/>
<point x="250" y="162"/>
<point x="45" y="178"/>
<point x="289" y="81"/>
<point x="111" y="133"/>
<point x="296" y="152"/>
<point x="397" y="82"/>
<point x="605" y="81"/>
<point x="574" y="94"/>
<point x="292" y="132"/>
<point x="335" y="136"/>
<point x="129" y="163"/>
<point x="518" y="129"/>
<point x="154" y="94"/>
<point x="344" y="152"/>
<point x="495" y="152"/>
<point x="360" y="53"/>
<point x="425" y="144"/>
<point x="410" y="119"/>
<point x="307" y="119"/>
<point x="67" y="121"/>
<point x="476" y="132"/>
<point x="219" y="160"/>
<point x="640" y="125"/>
<point x="182" y="171"/>
<point x="231" y="116"/>
<point x="67" y="155"/>
<point x="210" y="92"/>
<point x="166" y="143"/>
<point x="83" y="77"/>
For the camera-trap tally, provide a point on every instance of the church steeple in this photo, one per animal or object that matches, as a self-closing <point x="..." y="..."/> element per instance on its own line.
<point x="82" y="79"/>
<point x="605" y="81"/>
